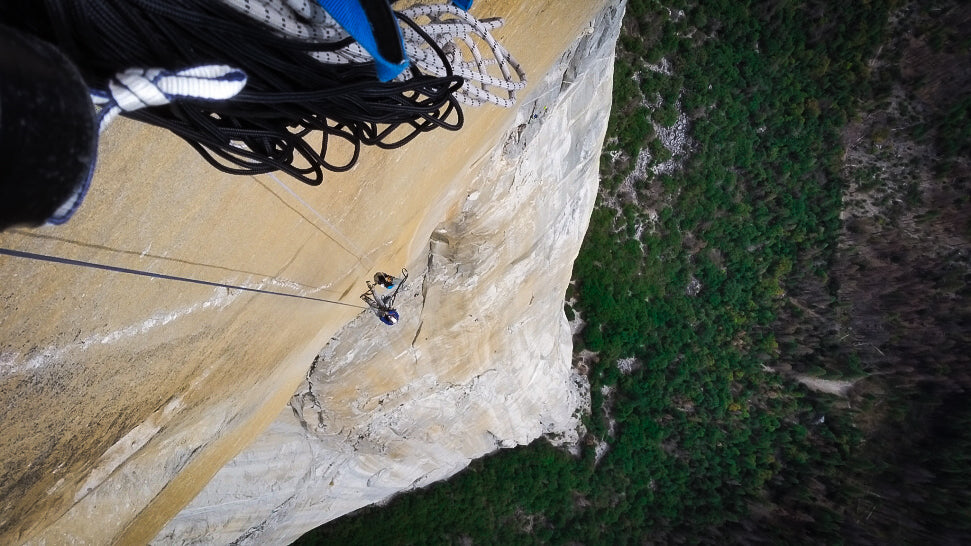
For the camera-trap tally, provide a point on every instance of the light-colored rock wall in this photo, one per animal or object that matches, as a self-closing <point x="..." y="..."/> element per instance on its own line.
<point x="124" y="394"/>
<point x="482" y="356"/>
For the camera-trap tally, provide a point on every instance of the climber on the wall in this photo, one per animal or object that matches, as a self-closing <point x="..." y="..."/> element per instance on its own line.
<point x="383" y="304"/>
<point x="389" y="281"/>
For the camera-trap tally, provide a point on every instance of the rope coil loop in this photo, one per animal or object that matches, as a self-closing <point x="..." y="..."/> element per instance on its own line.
<point x="138" y="88"/>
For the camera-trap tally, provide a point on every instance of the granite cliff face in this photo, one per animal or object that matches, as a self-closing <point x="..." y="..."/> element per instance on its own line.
<point x="125" y="395"/>
<point x="482" y="357"/>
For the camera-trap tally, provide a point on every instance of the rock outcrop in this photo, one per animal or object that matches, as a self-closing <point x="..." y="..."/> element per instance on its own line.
<point x="481" y="359"/>
<point x="126" y="394"/>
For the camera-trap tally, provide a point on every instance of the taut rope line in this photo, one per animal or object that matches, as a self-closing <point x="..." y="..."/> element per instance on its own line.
<point x="80" y="263"/>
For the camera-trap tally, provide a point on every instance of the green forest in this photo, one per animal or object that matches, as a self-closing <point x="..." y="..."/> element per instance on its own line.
<point x="813" y="230"/>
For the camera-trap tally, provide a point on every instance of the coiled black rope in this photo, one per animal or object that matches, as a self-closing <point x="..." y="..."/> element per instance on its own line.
<point x="296" y="114"/>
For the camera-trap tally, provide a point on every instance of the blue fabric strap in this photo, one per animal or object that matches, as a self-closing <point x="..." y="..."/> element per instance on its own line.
<point x="464" y="4"/>
<point x="374" y="26"/>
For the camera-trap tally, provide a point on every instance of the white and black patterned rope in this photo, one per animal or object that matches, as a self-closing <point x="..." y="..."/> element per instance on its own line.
<point x="138" y="88"/>
<point x="450" y="27"/>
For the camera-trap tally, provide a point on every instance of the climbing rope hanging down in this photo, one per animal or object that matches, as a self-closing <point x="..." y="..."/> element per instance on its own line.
<point x="288" y="88"/>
